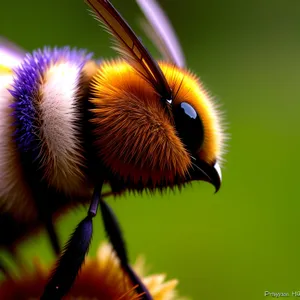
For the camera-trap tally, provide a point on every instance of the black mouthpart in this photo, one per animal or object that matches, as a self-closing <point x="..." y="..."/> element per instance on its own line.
<point x="206" y="172"/>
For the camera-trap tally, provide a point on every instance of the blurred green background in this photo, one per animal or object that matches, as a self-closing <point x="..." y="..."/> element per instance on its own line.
<point x="245" y="239"/>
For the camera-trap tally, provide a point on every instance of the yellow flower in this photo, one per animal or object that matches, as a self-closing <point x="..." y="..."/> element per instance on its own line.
<point x="100" y="278"/>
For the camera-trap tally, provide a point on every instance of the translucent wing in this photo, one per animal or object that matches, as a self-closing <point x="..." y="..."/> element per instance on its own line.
<point x="10" y="56"/>
<point x="160" y="31"/>
<point x="130" y="47"/>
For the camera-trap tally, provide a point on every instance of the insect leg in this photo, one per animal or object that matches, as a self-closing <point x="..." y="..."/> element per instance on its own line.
<point x="45" y="216"/>
<point x="52" y="235"/>
<point x="115" y="236"/>
<point x="73" y="255"/>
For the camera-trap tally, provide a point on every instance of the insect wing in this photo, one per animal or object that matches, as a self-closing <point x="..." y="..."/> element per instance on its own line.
<point x="160" y="31"/>
<point x="130" y="47"/>
<point x="10" y="56"/>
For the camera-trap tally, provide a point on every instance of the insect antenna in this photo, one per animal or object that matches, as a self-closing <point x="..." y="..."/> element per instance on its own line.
<point x="181" y="82"/>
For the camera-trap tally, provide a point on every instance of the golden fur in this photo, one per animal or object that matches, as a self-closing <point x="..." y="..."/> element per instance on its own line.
<point x="134" y="134"/>
<point x="188" y="88"/>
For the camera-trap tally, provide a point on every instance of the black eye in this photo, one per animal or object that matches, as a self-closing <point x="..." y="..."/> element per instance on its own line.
<point x="189" y="126"/>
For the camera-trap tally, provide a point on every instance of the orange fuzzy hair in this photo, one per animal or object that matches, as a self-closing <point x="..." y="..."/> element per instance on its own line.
<point x="135" y="136"/>
<point x="188" y="88"/>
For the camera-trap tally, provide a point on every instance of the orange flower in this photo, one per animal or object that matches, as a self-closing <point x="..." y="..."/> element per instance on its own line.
<point x="100" y="278"/>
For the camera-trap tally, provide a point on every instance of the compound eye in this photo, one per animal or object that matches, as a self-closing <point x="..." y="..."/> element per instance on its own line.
<point x="189" y="126"/>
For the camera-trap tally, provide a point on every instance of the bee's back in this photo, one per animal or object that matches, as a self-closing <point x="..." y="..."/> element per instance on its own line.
<point x="42" y="152"/>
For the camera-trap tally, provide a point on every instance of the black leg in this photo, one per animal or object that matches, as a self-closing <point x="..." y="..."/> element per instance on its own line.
<point x="73" y="255"/>
<point x="52" y="235"/>
<point x="45" y="215"/>
<point x="77" y="247"/>
<point x="115" y="236"/>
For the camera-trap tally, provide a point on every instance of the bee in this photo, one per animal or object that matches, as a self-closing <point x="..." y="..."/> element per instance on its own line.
<point x="70" y="124"/>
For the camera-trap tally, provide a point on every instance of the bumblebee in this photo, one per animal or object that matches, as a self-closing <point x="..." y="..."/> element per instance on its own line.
<point x="70" y="124"/>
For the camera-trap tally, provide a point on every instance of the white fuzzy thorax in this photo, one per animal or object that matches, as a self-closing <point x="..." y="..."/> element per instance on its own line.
<point x="61" y="151"/>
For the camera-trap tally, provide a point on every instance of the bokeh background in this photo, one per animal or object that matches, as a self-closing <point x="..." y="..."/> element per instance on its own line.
<point x="244" y="240"/>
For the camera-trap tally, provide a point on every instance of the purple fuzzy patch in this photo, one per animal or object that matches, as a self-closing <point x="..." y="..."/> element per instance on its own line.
<point x="26" y="86"/>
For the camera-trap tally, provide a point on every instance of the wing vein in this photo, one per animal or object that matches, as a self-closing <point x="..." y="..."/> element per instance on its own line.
<point x="130" y="47"/>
